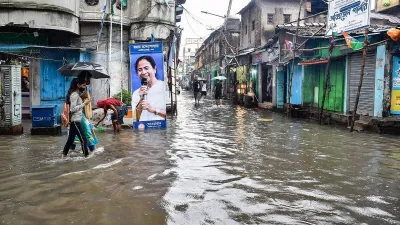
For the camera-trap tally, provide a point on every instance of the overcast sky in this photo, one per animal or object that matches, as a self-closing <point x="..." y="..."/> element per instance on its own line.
<point x="193" y="28"/>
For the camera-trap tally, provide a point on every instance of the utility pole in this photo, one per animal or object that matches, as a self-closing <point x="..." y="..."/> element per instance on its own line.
<point x="110" y="47"/>
<point x="327" y="77"/>
<point x="353" y="119"/>
<point x="293" y="61"/>
<point x="122" y="49"/>
<point x="228" y="13"/>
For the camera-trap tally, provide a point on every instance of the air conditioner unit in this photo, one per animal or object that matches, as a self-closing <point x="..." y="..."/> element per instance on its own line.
<point x="10" y="100"/>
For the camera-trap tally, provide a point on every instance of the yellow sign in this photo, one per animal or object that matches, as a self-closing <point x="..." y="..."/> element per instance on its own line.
<point x="395" y="101"/>
<point x="386" y="4"/>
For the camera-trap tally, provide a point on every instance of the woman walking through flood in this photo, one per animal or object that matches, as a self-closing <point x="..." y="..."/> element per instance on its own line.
<point x="76" y="109"/>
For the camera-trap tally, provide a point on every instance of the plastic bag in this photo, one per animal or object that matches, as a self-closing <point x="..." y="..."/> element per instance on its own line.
<point x="394" y="34"/>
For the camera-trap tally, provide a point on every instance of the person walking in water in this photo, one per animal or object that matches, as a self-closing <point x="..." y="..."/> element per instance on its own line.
<point x="218" y="92"/>
<point x="196" y="90"/>
<point x="203" y="89"/>
<point x="76" y="109"/>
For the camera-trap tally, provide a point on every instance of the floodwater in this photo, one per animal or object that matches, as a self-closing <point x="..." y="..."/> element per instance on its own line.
<point x="213" y="165"/>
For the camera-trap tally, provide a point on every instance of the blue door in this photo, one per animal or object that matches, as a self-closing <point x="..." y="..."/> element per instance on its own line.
<point x="280" y="89"/>
<point x="297" y="81"/>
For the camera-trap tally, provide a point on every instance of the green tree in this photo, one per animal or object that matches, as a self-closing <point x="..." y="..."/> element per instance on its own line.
<point x="126" y="97"/>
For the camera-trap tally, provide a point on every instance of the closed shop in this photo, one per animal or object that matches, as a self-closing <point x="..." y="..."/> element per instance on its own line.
<point x="313" y="86"/>
<point x="366" y="102"/>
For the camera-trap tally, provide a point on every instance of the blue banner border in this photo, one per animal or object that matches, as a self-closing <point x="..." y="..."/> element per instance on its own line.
<point x="155" y="124"/>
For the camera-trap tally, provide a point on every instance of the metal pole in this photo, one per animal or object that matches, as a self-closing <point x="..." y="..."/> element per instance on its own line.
<point x="353" y="119"/>
<point x="109" y="49"/>
<point x="293" y="60"/>
<point x="122" y="49"/>
<point x="327" y="77"/>
<point x="176" y="97"/>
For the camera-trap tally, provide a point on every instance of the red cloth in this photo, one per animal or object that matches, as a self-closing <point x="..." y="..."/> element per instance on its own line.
<point x="107" y="102"/>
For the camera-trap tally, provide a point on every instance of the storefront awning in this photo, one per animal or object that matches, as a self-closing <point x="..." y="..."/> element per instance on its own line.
<point x="40" y="52"/>
<point x="309" y="63"/>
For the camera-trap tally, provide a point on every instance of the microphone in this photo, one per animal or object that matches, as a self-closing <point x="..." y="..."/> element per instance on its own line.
<point x="144" y="83"/>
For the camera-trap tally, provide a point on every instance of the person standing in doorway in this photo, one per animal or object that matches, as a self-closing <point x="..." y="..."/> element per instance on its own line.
<point x="218" y="92"/>
<point x="196" y="90"/>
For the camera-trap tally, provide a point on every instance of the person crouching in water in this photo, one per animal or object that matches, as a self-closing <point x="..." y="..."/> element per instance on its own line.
<point x="119" y="108"/>
<point x="76" y="109"/>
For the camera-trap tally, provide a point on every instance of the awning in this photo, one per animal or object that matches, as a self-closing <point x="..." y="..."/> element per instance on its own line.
<point x="42" y="52"/>
<point x="309" y="63"/>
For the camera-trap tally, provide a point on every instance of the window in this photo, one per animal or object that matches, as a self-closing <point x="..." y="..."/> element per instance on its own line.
<point x="92" y="2"/>
<point x="287" y="18"/>
<point x="188" y="49"/>
<point x="245" y="29"/>
<point x="270" y="19"/>
<point x="253" y="25"/>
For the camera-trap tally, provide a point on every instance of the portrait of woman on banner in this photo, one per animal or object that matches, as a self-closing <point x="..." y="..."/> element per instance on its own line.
<point x="148" y="100"/>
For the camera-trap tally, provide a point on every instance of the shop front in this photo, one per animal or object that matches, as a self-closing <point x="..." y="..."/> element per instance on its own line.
<point x="367" y="94"/>
<point x="314" y="82"/>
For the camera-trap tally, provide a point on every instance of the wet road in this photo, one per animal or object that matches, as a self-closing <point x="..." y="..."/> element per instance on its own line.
<point x="213" y="165"/>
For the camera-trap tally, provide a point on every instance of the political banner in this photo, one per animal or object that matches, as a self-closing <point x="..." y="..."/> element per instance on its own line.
<point x="148" y="86"/>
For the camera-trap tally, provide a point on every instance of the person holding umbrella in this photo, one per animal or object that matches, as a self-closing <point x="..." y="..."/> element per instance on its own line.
<point x="84" y="71"/>
<point x="86" y="126"/>
<point x="76" y="108"/>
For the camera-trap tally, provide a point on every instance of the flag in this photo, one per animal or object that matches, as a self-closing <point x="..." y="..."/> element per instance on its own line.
<point x="112" y="6"/>
<point x="171" y="60"/>
<point x="102" y="21"/>
<point x="352" y="42"/>
<point x="289" y="45"/>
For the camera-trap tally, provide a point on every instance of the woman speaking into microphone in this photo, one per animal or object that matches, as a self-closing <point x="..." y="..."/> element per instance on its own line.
<point x="149" y="99"/>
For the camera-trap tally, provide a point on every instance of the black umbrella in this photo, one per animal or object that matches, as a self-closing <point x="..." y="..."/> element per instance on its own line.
<point x="75" y="69"/>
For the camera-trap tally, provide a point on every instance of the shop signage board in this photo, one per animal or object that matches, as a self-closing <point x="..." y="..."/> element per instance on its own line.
<point x="348" y="15"/>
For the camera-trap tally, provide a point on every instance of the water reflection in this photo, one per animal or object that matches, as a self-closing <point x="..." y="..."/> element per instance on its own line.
<point x="233" y="169"/>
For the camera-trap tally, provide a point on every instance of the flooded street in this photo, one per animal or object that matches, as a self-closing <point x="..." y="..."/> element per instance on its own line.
<point x="213" y="165"/>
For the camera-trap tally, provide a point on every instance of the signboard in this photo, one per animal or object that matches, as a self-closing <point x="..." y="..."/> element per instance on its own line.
<point x="348" y="15"/>
<point x="148" y="88"/>
<point x="382" y="5"/>
<point x="395" y="106"/>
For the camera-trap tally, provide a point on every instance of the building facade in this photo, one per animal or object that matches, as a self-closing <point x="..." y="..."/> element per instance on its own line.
<point x="189" y="51"/>
<point x="44" y="35"/>
<point x="258" y="51"/>
<point x="214" y="56"/>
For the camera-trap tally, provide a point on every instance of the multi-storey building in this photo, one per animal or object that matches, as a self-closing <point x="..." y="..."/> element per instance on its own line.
<point x="189" y="51"/>
<point x="43" y="35"/>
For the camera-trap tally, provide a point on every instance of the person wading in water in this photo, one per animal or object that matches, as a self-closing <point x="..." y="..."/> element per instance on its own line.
<point x="76" y="109"/>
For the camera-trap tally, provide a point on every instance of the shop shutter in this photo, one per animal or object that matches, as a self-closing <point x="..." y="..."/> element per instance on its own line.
<point x="366" y="102"/>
